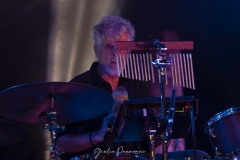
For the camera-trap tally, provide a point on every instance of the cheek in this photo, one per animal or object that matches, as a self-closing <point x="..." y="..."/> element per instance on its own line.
<point x="104" y="58"/>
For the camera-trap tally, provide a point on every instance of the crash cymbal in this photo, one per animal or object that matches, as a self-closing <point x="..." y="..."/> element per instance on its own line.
<point x="11" y="133"/>
<point x="72" y="101"/>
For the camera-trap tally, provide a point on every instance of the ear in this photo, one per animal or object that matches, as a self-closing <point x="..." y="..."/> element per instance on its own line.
<point x="96" y="49"/>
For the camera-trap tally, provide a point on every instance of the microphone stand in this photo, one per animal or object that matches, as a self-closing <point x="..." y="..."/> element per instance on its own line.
<point x="193" y="118"/>
<point x="164" y="120"/>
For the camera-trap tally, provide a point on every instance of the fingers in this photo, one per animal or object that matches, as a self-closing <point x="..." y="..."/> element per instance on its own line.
<point x="120" y="92"/>
<point x="117" y="104"/>
<point x="106" y="121"/>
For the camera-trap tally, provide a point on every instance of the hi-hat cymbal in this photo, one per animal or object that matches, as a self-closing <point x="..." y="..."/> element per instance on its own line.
<point x="72" y="101"/>
<point x="11" y="133"/>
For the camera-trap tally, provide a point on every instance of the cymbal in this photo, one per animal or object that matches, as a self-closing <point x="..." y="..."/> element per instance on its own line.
<point x="72" y="101"/>
<point x="11" y="133"/>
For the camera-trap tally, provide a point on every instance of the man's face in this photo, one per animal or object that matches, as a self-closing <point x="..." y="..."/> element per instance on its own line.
<point x="106" y="54"/>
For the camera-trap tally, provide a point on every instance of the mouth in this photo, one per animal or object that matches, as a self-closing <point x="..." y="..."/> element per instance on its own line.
<point x="113" y="62"/>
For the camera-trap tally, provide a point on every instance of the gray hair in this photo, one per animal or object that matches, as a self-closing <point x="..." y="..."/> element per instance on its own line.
<point x="112" y="27"/>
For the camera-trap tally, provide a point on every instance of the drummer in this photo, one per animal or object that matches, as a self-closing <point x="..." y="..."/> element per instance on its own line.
<point x="84" y="137"/>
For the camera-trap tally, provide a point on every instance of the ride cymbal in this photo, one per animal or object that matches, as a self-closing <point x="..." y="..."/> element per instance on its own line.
<point x="72" y="102"/>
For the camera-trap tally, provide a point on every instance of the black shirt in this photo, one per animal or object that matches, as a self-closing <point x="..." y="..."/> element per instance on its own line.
<point x="93" y="78"/>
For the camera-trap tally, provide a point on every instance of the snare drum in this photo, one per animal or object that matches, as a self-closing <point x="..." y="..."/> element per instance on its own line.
<point x="116" y="156"/>
<point x="224" y="132"/>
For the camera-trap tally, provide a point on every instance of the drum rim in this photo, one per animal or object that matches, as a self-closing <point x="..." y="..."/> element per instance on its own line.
<point x="223" y="114"/>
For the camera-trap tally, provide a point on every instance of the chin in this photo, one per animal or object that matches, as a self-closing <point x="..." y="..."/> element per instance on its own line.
<point x="111" y="72"/>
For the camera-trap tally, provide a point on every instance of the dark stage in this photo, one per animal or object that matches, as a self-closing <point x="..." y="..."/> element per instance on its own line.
<point x="26" y="35"/>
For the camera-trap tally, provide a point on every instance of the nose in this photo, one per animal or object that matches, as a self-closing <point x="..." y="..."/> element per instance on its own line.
<point x="114" y="52"/>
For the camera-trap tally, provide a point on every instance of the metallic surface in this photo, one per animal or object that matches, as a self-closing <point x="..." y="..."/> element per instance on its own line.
<point x="11" y="133"/>
<point x="72" y="101"/>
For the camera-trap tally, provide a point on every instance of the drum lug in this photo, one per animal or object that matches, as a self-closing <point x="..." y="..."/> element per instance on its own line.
<point x="211" y="132"/>
<point x="218" y="155"/>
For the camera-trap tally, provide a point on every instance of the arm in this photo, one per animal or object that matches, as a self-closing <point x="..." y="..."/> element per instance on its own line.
<point x="73" y="143"/>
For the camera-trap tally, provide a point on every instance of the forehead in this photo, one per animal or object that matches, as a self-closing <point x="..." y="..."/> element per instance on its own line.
<point x="123" y="37"/>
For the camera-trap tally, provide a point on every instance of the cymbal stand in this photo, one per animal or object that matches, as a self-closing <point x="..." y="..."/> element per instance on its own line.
<point x="151" y="134"/>
<point x="162" y="63"/>
<point x="53" y="127"/>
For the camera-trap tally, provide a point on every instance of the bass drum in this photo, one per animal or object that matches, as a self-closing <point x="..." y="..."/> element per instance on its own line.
<point x="224" y="130"/>
<point x="116" y="156"/>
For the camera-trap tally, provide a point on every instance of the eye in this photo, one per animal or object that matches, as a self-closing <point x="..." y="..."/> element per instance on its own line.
<point x="109" y="47"/>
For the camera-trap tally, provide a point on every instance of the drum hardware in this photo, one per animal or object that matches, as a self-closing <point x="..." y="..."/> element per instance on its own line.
<point x="11" y="133"/>
<point x="61" y="102"/>
<point x="167" y="125"/>
<point x="218" y="155"/>
<point x="53" y="128"/>
<point x="211" y="132"/>
<point x="165" y="120"/>
<point x="193" y="118"/>
<point x="232" y="155"/>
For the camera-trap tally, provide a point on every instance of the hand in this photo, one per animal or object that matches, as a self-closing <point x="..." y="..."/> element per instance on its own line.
<point x="119" y="95"/>
<point x="99" y="136"/>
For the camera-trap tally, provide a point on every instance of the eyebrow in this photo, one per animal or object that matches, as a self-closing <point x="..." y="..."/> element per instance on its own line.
<point x="108" y="44"/>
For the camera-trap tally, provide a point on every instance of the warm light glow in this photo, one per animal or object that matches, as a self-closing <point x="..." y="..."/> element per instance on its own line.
<point x="70" y="44"/>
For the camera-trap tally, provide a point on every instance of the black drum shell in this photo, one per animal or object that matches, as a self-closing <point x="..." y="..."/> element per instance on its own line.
<point x="224" y="132"/>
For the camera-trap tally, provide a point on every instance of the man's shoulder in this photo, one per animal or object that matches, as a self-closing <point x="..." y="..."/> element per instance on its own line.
<point x="83" y="77"/>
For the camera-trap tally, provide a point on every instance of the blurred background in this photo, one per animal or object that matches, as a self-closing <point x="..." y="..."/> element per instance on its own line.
<point x="50" y="40"/>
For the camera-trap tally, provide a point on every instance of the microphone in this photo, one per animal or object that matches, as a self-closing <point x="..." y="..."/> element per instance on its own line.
<point x="167" y="121"/>
<point x="171" y="109"/>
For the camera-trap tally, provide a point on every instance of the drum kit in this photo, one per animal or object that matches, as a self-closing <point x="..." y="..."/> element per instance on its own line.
<point x="55" y="103"/>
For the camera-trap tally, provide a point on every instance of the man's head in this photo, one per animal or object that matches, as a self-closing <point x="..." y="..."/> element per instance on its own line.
<point x="111" y="28"/>
<point x="108" y="30"/>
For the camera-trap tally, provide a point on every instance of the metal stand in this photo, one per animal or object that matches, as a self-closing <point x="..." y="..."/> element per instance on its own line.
<point x="151" y="134"/>
<point x="164" y="120"/>
<point x="160" y="63"/>
<point x="53" y="127"/>
<point x="193" y="131"/>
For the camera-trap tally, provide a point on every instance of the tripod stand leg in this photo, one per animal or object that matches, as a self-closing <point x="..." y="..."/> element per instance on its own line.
<point x="152" y="144"/>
